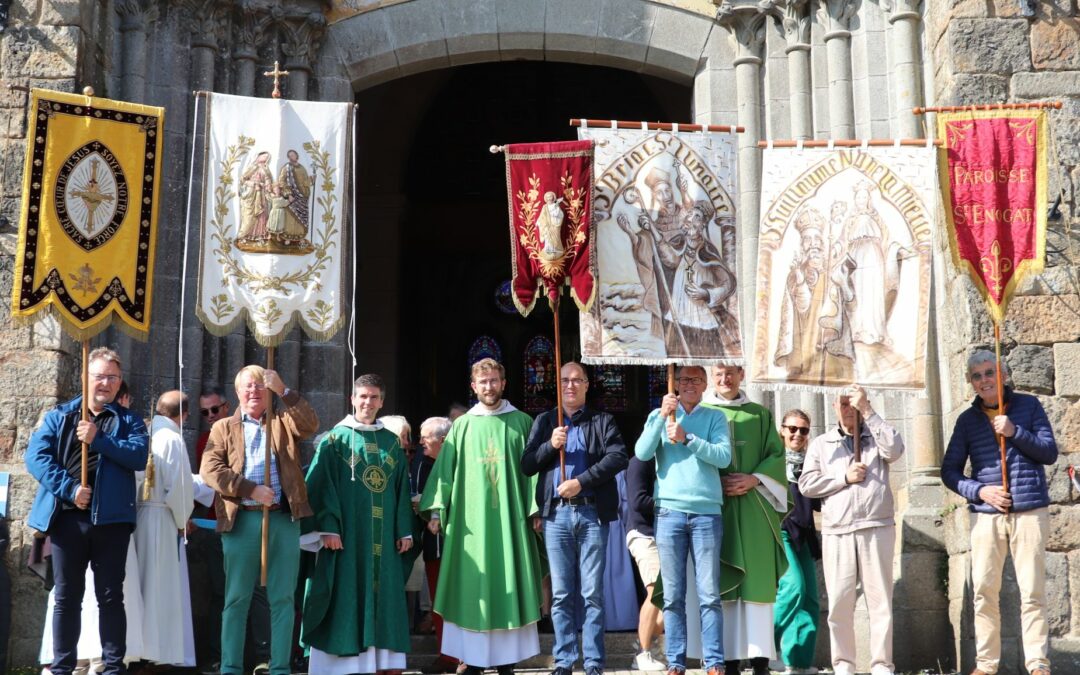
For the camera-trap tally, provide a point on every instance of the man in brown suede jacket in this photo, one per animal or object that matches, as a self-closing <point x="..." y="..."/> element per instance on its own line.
<point x="234" y="466"/>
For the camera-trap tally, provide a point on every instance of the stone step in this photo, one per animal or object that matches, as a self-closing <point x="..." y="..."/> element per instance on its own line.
<point x="620" y="647"/>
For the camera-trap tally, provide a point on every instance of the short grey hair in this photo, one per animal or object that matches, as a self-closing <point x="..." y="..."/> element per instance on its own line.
<point x="439" y="426"/>
<point x="985" y="356"/>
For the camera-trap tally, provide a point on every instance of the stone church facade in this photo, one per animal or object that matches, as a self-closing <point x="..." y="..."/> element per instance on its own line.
<point x="795" y="69"/>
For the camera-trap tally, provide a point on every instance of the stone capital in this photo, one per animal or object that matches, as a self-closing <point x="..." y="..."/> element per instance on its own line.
<point x="836" y="15"/>
<point x="250" y="24"/>
<point x="901" y="10"/>
<point x="137" y="14"/>
<point x="796" y="23"/>
<point x="301" y="36"/>
<point x="209" y="21"/>
<point x="746" y="21"/>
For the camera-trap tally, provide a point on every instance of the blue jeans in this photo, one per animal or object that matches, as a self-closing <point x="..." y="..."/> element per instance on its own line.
<point x="680" y="534"/>
<point x="576" y="544"/>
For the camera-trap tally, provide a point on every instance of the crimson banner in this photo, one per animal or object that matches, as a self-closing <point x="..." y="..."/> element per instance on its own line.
<point x="549" y="195"/>
<point x="993" y="177"/>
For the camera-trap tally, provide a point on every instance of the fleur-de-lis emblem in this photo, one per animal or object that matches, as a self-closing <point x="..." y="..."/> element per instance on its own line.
<point x="995" y="268"/>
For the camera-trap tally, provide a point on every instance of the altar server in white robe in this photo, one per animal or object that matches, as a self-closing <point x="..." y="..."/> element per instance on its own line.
<point x="165" y="494"/>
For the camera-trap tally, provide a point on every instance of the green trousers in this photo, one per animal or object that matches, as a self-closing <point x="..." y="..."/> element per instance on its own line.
<point x="241" y="549"/>
<point x="797" y="607"/>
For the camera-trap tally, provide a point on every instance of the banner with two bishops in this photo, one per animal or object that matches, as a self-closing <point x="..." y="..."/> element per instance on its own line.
<point x="844" y="267"/>
<point x="664" y="209"/>
<point x="273" y="217"/>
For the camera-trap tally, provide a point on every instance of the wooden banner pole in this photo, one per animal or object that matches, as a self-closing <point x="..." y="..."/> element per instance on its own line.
<point x="84" y="479"/>
<point x="558" y="384"/>
<point x="269" y="417"/>
<point x="671" y="384"/>
<point x="1001" y="403"/>
<point x="1039" y="105"/>
<point x="655" y="126"/>
<point x="849" y="143"/>
<point x="856" y="438"/>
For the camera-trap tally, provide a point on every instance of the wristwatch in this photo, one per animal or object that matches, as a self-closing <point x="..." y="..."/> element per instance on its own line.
<point x="689" y="437"/>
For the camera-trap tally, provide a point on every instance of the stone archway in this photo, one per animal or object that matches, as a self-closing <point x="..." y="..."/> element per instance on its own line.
<point x="419" y="35"/>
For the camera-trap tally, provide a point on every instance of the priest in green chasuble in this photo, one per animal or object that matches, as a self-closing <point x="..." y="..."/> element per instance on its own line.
<point x="752" y="556"/>
<point x="355" y="620"/>
<point x="489" y="581"/>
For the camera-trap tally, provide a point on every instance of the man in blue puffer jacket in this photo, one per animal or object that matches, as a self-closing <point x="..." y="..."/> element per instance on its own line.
<point x="88" y="524"/>
<point x="1003" y="521"/>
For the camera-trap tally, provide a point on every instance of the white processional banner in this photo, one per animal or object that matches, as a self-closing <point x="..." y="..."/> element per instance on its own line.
<point x="844" y="267"/>
<point x="273" y="216"/>
<point x="664" y="212"/>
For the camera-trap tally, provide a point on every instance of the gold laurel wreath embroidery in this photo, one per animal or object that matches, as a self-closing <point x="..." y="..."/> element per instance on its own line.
<point x="575" y="237"/>
<point x="224" y="194"/>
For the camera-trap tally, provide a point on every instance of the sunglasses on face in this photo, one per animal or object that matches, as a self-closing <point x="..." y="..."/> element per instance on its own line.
<point x="212" y="410"/>
<point x="802" y="431"/>
<point x="986" y="374"/>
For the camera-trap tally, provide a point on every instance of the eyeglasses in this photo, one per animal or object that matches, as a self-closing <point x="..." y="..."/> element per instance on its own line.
<point x="802" y="431"/>
<point x="98" y="377"/>
<point x="691" y="380"/>
<point x="986" y="374"/>
<point x="575" y="381"/>
<point x="212" y="410"/>
<point x="254" y="386"/>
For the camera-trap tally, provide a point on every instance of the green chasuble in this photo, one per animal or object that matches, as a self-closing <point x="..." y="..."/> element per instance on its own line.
<point x="358" y="486"/>
<point x="752" y="556"/>
<point x="490" y="574"/>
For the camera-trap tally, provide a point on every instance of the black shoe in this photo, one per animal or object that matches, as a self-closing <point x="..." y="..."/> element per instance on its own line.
<point x="559" y="670"/>
<point x="760" y="665"/>
<point x="731" y="667"/>
<point x="472" y="670"/>
<point x="594" y="671"/>
<point x="508" y="669"/>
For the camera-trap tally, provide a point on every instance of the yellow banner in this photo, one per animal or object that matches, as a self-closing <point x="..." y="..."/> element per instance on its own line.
<point x="89" y="213"/>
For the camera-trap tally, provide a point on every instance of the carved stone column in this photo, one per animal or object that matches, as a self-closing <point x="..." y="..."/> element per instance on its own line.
<point x="135" y="19"/>
<point x="796" y="22"/>
<point x="904" y="19"/>
<point x="747" y="24"/>
<point x="209" y="20"/>
<point x="835" y="16"/>
<point x="249" y="27"/>
<point x="301" y="37"/>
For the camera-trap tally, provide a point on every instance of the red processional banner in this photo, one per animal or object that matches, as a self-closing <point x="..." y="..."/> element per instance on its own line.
<point x="993" y="169"/>
<point x="549" y="195"/>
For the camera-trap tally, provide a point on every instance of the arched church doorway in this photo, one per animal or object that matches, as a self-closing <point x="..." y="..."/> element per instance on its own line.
<point x="432" y="226"/>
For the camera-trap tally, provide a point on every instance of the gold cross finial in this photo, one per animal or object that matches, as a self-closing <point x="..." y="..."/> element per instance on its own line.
<point x="277" y="73"/>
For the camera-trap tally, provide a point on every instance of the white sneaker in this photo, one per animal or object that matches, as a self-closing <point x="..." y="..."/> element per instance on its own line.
<point x="646" y="661"/>
<point x="880" y="670"/>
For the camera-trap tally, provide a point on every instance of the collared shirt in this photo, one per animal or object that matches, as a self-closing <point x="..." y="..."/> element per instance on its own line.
<point x="255" y="459"/>
<point x="576" y="462"/>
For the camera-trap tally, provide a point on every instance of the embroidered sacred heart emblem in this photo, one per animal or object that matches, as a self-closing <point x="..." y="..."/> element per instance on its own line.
<point x="91" y="195"/>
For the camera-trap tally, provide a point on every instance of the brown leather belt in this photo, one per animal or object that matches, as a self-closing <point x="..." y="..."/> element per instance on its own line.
<point x="259" y="507"/>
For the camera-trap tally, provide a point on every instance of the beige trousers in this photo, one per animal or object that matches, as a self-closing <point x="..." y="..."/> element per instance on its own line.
<point x="866" y="556"/>
<point x="993" y="535"/>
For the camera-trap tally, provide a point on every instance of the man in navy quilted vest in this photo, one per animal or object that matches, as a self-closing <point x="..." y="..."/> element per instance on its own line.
<point x="1004" y="521"/>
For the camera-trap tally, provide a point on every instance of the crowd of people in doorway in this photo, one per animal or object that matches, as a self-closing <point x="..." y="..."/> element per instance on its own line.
<point x="715" y="503"/>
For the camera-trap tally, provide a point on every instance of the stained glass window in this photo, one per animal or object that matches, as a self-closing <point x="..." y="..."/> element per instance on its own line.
<point x="610" y="385"/>
<point x="540" y="374"/>
<point x="657" y="385"/>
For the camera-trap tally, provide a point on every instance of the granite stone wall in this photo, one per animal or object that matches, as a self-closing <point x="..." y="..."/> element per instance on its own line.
<point x="985" y="52"/>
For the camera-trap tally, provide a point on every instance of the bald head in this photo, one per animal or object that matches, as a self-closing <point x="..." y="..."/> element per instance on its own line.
<point x="172" y="404"/>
